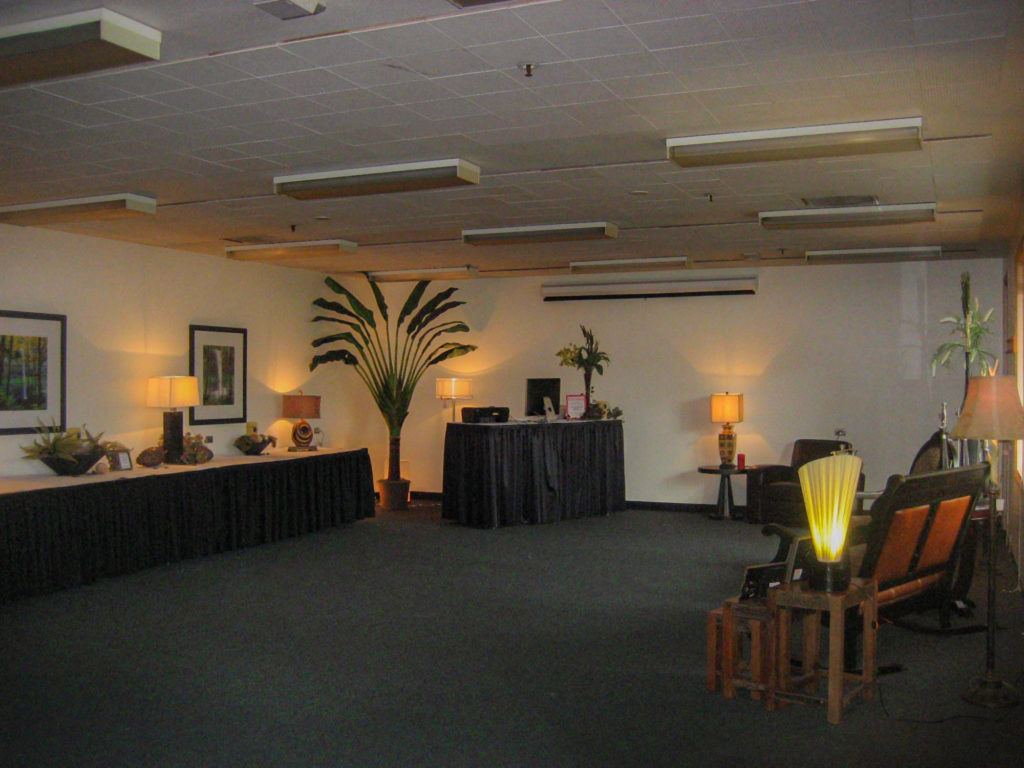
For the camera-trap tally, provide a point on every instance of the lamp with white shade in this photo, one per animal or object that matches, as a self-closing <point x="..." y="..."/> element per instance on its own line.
<point x="172" y="393"/>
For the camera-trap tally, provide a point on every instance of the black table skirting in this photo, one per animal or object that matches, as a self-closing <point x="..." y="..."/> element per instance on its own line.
<point x="511" y="474"/>
<point x="56" y="538"/>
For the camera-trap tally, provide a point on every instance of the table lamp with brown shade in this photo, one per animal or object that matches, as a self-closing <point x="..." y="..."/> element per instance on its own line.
<point x="727" y="409"/>
<point x="992" y="411"/>
<point x="172" y="393"/>
<point x="301" y="407"/>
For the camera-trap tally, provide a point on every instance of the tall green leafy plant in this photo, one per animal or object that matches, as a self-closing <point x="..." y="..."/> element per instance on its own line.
<point x="390" y="358"/>
<point x="969" y="331"/>
<point x="587" y="358"/>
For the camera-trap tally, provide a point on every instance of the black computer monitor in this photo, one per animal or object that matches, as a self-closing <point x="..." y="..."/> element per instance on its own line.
<point x="537" y="390"/>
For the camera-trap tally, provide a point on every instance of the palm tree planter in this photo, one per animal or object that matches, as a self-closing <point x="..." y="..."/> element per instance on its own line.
<point x="390" y="362"/>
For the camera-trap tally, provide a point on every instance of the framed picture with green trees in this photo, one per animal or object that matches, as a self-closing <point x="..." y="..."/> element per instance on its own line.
<point x="33" y="354"/>
<point x="217" y="357"/>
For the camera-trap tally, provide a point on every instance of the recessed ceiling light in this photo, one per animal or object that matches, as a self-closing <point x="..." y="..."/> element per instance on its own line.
<point x="796" y="143"/>
<point x="430" y="273"/>
<point x="544" y="233"/>
<point x="852" y="255"/>
<point x="854" y="216"/>
<point x="73" y="44"/>
<point x="305" y="249"/>
<point x="627" y="265"/>
<point x="97" y="207"/>
<point x="400" y="177"/>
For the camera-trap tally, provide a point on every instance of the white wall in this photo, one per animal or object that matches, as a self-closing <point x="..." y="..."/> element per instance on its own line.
<point x="128" y="310"/>
<point x="815" y="349"/>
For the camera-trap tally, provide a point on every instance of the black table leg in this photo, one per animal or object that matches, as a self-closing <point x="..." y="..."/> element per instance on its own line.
<point x="725" y="502"/>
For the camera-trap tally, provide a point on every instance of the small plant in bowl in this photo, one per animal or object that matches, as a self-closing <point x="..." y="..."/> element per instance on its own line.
<point x="254" y="444"/>
<point x="66" y="452"/>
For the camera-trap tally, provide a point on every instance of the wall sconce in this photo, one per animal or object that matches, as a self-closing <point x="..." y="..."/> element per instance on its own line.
<point x="172" y="393"/>
<point x="727" y="408"/>
<point x="301" y="407"/>
<point x="829" y="486"/>
<point x="454" y="389"/>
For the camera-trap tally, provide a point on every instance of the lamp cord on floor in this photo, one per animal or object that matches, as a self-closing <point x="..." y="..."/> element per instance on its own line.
<point x="939" y="720"/>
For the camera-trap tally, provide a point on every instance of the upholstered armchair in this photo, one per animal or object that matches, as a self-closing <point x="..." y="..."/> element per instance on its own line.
<point x="773" y="490"/>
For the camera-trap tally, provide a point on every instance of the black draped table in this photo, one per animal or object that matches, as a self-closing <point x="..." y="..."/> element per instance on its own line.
<point x="540" y="472"/>
<point x="58" y="532"/>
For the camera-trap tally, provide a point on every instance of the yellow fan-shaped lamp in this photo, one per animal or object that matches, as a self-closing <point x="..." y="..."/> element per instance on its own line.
<point x="829" y="488"/>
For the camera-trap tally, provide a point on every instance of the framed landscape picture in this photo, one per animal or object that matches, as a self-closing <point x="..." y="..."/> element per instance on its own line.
<point x="217" y="357"/>
<point x="33" y="353"/>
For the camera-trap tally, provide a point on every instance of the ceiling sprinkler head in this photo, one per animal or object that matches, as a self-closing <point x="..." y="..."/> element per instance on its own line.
<point x="527" y="69"/>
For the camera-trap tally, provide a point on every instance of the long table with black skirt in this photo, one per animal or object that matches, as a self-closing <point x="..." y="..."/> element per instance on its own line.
<point x="60" y="532"/>
<point x="540" y="472"/>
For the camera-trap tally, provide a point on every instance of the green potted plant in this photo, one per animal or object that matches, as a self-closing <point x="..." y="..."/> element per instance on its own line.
<point x="588" y="358"/>
<point x="66" y="452"/>
<point x="390" y="358"/>
<point x="969" y="329"/>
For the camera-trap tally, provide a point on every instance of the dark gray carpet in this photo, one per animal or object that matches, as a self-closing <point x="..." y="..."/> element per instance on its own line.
<point x="404" y="641"/>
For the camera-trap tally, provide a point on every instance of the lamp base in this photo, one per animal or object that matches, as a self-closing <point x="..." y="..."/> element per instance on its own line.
<point x="830" y="577"/>
<point x="174" y="440"/>
<point x="991" y="693"/>
<point x="302" y="436"/>
<point x="727" y="445"/>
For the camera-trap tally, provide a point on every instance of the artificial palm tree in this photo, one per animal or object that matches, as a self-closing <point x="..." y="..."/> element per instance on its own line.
<point x="390" y="361"/>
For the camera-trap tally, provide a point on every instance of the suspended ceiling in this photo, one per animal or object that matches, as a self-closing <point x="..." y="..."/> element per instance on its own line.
<point x="239" y="97"/>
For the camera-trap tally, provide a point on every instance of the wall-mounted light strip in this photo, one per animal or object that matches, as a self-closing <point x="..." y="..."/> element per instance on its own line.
<point x="626" y="265"/>
<point x="862" y="255"/>
<point x="98" y="207"/>
<point x="431" y="273"/>
<point x="854" y="216"/>
<point x="732" y="286"/>
<point x="544" y="233"/>
<point x="379" y="179"/>
<point x="305" y="249"/>
<point x="72" y="44"/>
<point x="810" y="141"/>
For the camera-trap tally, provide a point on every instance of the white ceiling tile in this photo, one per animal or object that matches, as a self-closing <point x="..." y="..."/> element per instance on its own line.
<point x="200" y="72"/>
<point x="380" y="72"/>
<point x="274" y="60"/>
<point x="439" y="110"/>
<point x="343" y="101"/>
<point x="651" y="85"/>
<point x="674" y="33"/>
<point x="510" y="101"/>
<point x="142" y="81"/>
<point x="635" y="11"/>
<point x="479" y="28"/>
<point x="190" y="99"/>
<point x="249" y="91"/>
<point x="479" y="82"/>
<point x="333" y="50"/>
<point x="442" y="63"/>
<point x="574" y="93"/>
<point x="961" y="26"/>
<point x="685" y="58"/>
<point x="763" y="22"/>
<point x="138" y="108"/>
<point x="592" y="43"/>
<point x="308" y="82"/>
<point x="406" y="40"/>
<point x="90" y="91"/>
<point x="510" y="55"/>
<point x="567" y="16"/>
<point x="413" y="92"/>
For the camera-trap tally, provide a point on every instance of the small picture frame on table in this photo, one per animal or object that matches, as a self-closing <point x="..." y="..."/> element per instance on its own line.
<point x="575" y="406"/>
<point x="119" y="459"/>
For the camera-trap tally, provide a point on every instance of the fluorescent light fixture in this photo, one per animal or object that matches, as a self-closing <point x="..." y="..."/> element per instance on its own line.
<point x="305" y="249"/>
<point x="730" y="286"/>
<point x="72" y="44"/>
<point x="850" y="255"/>
<point x="626" y="265"/>
<point x="430" y="273"/>
<point x="853" y="216"/>
<point x="98" y="207"/>
<point x="810" y="141"/>
<point x="401" y="177"/>
<point x="544" y="233"/>
<point x="289" y="9"/>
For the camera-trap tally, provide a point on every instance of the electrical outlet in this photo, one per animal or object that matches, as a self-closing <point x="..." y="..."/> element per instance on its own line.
<point x="208" y="438"/>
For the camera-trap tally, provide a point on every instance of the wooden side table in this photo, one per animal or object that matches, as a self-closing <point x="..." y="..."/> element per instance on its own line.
<point x="782" y="601"/>
<point x="725" y="505"/>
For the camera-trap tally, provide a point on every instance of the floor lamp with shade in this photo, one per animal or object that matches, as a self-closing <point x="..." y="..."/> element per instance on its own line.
<point x="992" y="411"/>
